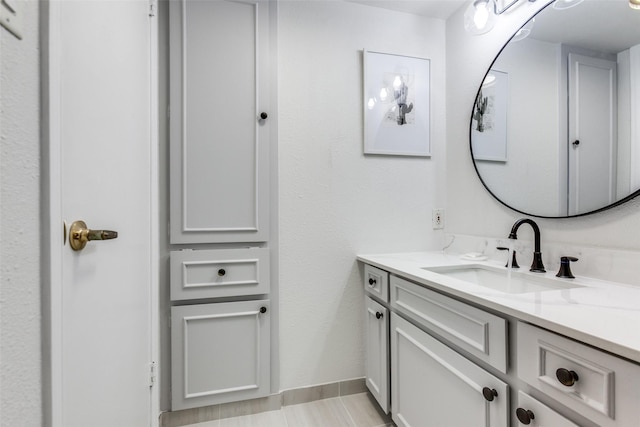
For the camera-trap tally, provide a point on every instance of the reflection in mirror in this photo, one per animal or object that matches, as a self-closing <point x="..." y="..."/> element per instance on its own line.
<point x="555" y="129"/>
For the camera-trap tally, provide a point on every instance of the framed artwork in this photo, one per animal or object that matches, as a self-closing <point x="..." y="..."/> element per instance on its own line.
<point x="396" y="105"/>
<point x="489" y="118"/>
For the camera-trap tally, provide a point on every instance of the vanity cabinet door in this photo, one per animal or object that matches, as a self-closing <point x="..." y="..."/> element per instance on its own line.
<point x="219" y="353"/>
<point x="432" y="385"/>
<point x="220" y="121"/>
<point x="377" y="330"/>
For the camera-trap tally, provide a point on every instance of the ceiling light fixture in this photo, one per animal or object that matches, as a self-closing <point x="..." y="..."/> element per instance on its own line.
<point x="565" y="4"/>
<point x="481" y="15"/>
<point x="524" y="32"/>
<point x="634" y="4"/>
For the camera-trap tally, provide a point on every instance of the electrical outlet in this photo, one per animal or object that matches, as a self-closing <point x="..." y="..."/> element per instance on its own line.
<point x="437" y="219"/>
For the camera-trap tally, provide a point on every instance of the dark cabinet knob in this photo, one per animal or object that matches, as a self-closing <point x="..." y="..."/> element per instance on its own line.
<point x="263" y="116"/>
<point x="263" y="310"/>
<point x="372" y="282"/>
<point x="489" y="393"/>
<point x="222" y="272"/>
<point x="524" y="416"/>
<point x="566" y="377"/>
<point x="378" y="315"/>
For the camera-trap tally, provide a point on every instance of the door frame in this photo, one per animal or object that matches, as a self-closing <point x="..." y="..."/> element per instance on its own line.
<point x="52" y="218"/>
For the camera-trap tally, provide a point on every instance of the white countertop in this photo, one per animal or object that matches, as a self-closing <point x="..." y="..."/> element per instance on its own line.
<point x="603" y="314"/>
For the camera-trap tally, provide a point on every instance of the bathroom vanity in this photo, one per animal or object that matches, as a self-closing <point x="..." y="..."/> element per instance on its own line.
<point x="471" y="343"/>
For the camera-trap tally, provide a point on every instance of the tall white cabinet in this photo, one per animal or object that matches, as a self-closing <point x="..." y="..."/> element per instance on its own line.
<point x="220" y="129"/>
<point x="219" y="118"/>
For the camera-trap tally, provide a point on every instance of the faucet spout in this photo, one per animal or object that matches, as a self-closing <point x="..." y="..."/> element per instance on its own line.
<point x="536" y="265"/>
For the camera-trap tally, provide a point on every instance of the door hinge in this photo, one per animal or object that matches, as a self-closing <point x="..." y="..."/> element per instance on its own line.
<point x="152" y="374"/>
<point x="152" y="8"/>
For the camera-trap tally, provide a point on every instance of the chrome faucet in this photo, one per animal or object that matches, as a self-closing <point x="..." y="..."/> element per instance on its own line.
<point x="536" y="265"/>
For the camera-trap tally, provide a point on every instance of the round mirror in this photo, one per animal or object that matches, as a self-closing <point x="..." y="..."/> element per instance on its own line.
<point x="555" y="127"/>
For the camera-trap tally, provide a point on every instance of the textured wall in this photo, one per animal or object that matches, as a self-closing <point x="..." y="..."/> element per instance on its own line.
<point x="20" y="353"/>
<point x="334" y="201"/>
<point x="470" y="208"/>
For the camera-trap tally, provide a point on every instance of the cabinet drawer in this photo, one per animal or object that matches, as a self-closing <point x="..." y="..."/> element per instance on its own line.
<point x="219" y="273"/>
<point x="538" y="414"/>
<point x="376" y="282"/>
<point x="482" y="334"/>
<point x="604" y="388"/>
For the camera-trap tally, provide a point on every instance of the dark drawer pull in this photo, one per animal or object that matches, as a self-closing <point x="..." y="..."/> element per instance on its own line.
<point x="372" y="282"/>
<point x="222" y="272"/>
<point x="566" y="377"/>
<point x="378" y="315"/>
<point x="489" y="393"/>
<point x="263" y="310"/>
<point x="524" y="416"/>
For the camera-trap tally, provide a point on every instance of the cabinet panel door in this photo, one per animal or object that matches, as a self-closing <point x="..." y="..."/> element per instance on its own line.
<point x="219" y="353"/>
<point x="377" y="324"/>
<point x="433" y="386"/>
<point x="219" y="146"/>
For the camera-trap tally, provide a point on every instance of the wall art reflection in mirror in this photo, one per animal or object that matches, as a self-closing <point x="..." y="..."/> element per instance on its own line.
<point x="571" y="113"/>
<point x="396" y="105"/>
<point x="489" y="119"/>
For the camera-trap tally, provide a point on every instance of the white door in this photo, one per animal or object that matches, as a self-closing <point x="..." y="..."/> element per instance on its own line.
<point x="592" y="133"/>
<point x="377" y="364"/>
<point x="432" y="385"/>
<point x="101" y="172"/>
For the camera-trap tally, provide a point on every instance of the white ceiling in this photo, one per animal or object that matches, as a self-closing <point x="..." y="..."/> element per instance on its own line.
<point x="441" y="9"/>
<point x="602" y="25"/>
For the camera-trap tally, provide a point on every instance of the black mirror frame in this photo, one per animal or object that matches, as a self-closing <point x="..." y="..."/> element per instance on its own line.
<point x="475" y="166"/>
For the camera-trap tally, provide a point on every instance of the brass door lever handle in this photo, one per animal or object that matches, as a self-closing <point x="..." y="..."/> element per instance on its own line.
<point x="79" y="235"/>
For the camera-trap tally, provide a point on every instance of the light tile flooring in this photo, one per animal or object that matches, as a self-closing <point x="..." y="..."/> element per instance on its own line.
<point x="355" y="410"/>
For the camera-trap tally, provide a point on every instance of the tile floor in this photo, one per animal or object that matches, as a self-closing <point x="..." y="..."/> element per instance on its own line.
<point x="355" y="410"/>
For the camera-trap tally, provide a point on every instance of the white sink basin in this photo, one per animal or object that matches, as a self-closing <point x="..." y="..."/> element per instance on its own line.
<point x="503" y="280"/>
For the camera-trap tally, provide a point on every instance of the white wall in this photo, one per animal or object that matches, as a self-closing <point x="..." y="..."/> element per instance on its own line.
<point x="20" y="350"/>
<point x="471" y="209"/>
<point x="334" y="201"/>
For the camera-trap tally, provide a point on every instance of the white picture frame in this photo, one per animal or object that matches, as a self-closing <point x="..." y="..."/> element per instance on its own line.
<point x="489" y="118"/>
<point x="397" y="106"/>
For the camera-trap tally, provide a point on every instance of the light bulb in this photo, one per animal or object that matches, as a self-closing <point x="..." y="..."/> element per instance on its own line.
<point x="634" y="4"/>
<point x="480" y="16"/>
<point x="397" y="82"/>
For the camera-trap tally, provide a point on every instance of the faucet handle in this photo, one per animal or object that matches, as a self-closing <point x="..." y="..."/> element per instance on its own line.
<point x="565" y="267"/>
<point x="514" y="261"/>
